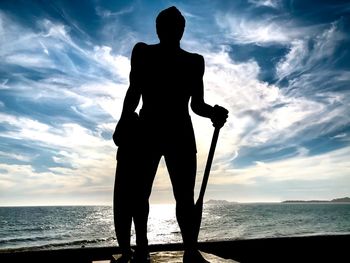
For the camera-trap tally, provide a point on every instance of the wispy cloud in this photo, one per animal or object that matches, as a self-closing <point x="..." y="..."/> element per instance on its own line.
<point x="261" y="31"/>
<point x="279" y="116"/>
<point x="108" y="13"/>
<point x="305" y="54"/>
<point x="321" y="177"/>
<point x="266" y="3"/>
<point x="261" y="112"/>
<point x="340" y="136"/>
<point x="82" y="160"/>
<point x="76" y="139"/>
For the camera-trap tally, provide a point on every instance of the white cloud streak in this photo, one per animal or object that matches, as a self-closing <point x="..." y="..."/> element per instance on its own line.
<point x="92" y="161"/>
<point x="260" y="112"/>
<point x="266" y="3"/>
<point x="264" y="31"/>
<point x="328" y="166"/>
<point x="107" y="13"/>
<point x="300" y="58"/>
<point x="24" y="47"/>
<point x="85" y="160"/>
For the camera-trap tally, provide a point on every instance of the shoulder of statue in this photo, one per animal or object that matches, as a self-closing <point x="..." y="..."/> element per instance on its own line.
<point x="197" y="61"/>
<point x="138" y="52"/>
<point x="140" y="47"/>
<point x="194" y="57"/>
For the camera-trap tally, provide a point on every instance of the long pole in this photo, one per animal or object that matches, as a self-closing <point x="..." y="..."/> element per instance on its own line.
<point x="199" y="203"/>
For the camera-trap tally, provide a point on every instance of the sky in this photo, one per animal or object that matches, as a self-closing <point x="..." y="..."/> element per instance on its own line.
<point x="281" y="67"/>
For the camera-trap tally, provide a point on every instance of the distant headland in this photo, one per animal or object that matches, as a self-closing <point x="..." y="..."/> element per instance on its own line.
<point x="337" y="200"/>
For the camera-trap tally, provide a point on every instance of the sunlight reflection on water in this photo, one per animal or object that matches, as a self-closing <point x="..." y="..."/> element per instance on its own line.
<point x="58" y="227"/>
<point x="162" y="225"/>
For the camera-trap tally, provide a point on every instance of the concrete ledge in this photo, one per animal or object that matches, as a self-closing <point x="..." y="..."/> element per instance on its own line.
<point x="323" y="248"/>
<point x="175" y="257"/>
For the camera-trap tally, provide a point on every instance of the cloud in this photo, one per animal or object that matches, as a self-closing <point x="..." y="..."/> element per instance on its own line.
<point x="66" y="136"/>
<point x="52" y="47"/>
<point x="117" y="28"/>
<point x="339" y="136"/>
<point x="328" y="166"/>
<point x="305" y="177"/>
<point x="281" y="115"/>
<point x="260" y="31"/>
<point x="295" y="58"/>
<point x="118" y="64"/>
<point x="305" y="54"/>
<point x="266" y="3"/>
<point x="105" y="13"/>
<point x="266" y="116"/>
<point x="259" y="112"/>
<point x="27" y="182"/>
<point x="70" y="113"/>
<point x="84" y="161"/>
<point x="309" y="70"/>
<point x="29" y="60"/>
<point x="14" y="156"/>
<point x="69" y="70"/>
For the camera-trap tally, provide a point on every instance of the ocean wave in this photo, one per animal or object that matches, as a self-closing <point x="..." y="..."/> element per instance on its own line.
<point x="30" y="228"/>
<point x="69" y="244"/>
<point x="83" y="242"/>
<point x="23" y="239"/>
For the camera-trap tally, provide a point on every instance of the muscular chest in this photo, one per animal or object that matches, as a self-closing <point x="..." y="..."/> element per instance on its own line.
<point x="168" y="69"/>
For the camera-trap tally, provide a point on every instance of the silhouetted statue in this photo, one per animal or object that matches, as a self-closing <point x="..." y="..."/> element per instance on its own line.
<point x="167" y="78"/>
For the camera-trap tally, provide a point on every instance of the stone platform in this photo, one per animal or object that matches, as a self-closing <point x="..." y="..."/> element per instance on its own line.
<point x="176" y="257"/>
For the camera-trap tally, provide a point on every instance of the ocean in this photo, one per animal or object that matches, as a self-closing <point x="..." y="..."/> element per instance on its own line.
<point x="55" y="227"/>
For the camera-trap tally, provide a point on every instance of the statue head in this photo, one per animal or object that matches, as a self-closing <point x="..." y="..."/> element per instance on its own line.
<point x="170" y="25"/>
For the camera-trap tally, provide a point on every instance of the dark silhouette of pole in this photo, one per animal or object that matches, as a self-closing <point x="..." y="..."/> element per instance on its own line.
<point x="199" y="203"/>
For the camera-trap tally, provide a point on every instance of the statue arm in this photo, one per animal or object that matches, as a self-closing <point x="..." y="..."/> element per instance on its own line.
<point x="198" y="104"/>
<point x="133" y="94"/>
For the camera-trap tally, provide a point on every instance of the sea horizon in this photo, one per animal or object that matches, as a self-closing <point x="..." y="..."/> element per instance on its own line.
<point x="210" y="201"/>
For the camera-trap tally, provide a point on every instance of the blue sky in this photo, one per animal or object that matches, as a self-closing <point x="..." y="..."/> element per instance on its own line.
<point x="281" y="67"/>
